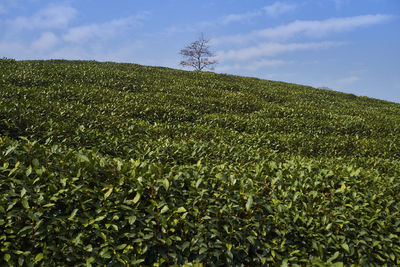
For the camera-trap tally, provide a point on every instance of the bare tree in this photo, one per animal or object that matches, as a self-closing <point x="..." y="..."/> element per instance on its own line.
<point x="197" y="55"/>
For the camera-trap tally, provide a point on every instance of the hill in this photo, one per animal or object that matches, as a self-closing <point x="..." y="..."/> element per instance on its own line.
<point x="111" y="163"/>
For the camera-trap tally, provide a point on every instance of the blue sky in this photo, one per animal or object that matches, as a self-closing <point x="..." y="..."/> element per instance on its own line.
<point x="348" y="45"/>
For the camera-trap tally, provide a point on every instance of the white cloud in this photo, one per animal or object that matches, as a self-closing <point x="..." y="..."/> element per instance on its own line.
<point x="276" y="9"/>
<point x="232" y="39"/>
<point x="120" y="53"/>
<point x="279" y="8"/>
<point x="51" y="37"/>
<point x="320" y="28"/>
<point x="228" y="68"/>
<point x="265" y="63"/>
<point x="315" y="28"/>
<point x="251" y="66"/>
<point x="272" y="10"/>
<point x="127" y="52"/>
<point x="46" y="41"/>
<point x="105" y="30"/>
<point x="239" y="17"/>
<point x="71" y="53"/>
<point x="82" y="34"/>
<point x="52" y="17"/>
<point x="271" y="49"/>
<point x="348" y="80"/>
<point x="286" y="76"/>
<point x="181" y="29"/>
<point x="12" y="49"/>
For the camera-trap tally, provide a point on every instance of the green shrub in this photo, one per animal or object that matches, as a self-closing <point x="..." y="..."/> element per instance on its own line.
<point x="121" y="164"/>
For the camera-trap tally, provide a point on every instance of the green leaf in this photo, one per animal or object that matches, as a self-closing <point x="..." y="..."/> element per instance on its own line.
<point x="35" y="163"/>
<point x="185" y="245"/>
<point x="21" y="260"/>
<point x="73" y="213"/>
<point x="25" y="203"/>
<point x="137" y="262"/>
<point x="83" y="158"/>
<point x="39" y="257"/>
<point x="90" y="260"/>
<point x="334" y="257"/>
<point x="198" y="182"/>
<point x="7" y="257"/>
<point x="88" y="248"/>
<point x="202" y="250"/>
<point x="28" y="171"/>
<point x="100" y="218"/>
<point x="346" y="247"/>
<point x="23" y="192"/>
<point x="249" y="203"/>
<point x="121" y="247"/>
<point x="11" y="205"/>
<point x="10" y="149"/>
<point x="164" y="209"/>
<point x="328" y="227"/>
<point x="180" y="210"/>
<point x="15" y="168"/>
<point x="166" y="184"/>
<point x="136" y="198"/>
<point x="392" y="256"/>
<point x="131" y="219"/>
<point x="108" y="193"/>
<point x="226" y="228"/>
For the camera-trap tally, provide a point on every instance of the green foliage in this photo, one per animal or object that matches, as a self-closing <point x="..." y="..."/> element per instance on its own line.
<point x="121" y="164"/>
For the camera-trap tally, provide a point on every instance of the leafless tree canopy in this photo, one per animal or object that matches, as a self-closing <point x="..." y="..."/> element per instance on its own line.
<point x="197" y="55"/>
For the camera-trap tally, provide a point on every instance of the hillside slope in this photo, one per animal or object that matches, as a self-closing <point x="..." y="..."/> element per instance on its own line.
<point x="127" y="164"/>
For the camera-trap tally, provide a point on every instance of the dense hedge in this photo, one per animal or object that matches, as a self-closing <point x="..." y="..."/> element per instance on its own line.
<point x="121" y="164"/>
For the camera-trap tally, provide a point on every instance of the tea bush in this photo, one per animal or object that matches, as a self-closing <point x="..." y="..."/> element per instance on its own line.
<point x="122" y="164"/>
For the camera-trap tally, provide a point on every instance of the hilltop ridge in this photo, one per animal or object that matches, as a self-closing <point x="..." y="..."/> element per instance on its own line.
<point x="162" y="96"/>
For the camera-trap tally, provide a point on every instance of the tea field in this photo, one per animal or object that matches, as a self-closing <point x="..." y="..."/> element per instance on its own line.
<point x="117" y="164"/>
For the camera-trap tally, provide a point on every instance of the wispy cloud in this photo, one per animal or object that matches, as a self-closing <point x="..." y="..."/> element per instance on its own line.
<point x="273" y="10"/>
<point x="271" y="49"/>
<point x="266" y="63"/>
<point x="279" y="8"/>
<point x="238" y="17"/>
<point x="310" y="28"/>
<point x="106" y="30"/>
<point x="120" y="53"/>
<point x="46" y="41"/>
<point x="81" y="34"/>
<point x="10" y="49"/>
<point x="252" y="66"/>
<point x="51" y="17"/>
<point x="321" y="28"/>
<point x="48" y="34"/>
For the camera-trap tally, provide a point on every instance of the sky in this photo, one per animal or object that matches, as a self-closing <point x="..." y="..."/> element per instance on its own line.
<point x="351" y="46"/>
